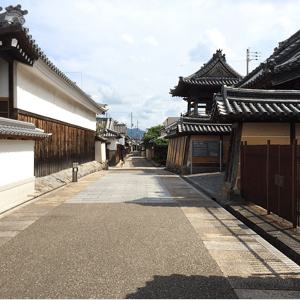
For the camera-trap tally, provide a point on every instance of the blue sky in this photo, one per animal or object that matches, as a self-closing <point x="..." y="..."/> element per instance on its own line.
<point x="129" y="54"/>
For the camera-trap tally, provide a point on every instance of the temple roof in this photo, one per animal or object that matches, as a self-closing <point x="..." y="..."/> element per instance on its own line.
<point x="237" y="104"/>
<point x="285" y="58"/>
<point x="216" y="72"/>
<point x="18" y="44"/>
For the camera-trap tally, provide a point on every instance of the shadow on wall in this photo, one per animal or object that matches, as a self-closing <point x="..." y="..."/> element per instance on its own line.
<point x="204" y="287"/>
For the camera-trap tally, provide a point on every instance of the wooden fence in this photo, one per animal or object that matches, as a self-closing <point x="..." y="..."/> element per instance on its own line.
<point x="270" y="177"/>
<point x="66" y="145"/>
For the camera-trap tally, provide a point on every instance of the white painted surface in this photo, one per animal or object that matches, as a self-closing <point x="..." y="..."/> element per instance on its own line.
<point x="16" y="160"/>
<point x="113" y="144"/>
<point x="17" y="172"/>
<point x="122" y="141"/>
<point x="100" y="151"/>
<point x="16" y="193"/>
<point x="38" y="94"/>
<point x="3" y="78"/>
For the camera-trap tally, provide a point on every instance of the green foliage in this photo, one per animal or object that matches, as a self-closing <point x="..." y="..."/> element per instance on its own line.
<point x="160" y="145"/>
<point x="151" y="134"/>
<point x="100" y="128"/>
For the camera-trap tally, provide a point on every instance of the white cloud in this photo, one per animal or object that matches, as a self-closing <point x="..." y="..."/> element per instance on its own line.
<point x="213" y="39"/>
<point x="151" y="40"/>
<point x="107" y="41"/>
<point x="127" y="38"/>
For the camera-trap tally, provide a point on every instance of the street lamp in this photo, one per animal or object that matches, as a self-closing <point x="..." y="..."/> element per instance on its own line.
<point x="75" y="171"/>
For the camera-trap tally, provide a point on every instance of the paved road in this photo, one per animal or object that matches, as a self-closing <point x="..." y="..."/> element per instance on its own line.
<point x="146" y="235"/>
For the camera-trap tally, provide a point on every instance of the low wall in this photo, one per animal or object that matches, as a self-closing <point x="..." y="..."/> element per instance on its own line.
<point x="17" y="172"/>
<point x="100" y="151"/>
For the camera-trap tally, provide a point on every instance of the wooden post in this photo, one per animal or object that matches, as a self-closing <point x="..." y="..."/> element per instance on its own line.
<point x="242" y="169"/>
<point x="294" y="183"/>
<point x="267" y="176"/>
<point x="243" y="174"/>
<point x="278" y="193"/>
<point x="191" y="157"/>
<point x="236" y="156"/>
<point x="221" y="158"/>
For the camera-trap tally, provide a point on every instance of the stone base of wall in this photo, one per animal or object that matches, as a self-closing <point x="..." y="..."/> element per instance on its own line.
<point x="16" y="193"/>
<point x="184" y="170"/>
<point x="56" y="180"/>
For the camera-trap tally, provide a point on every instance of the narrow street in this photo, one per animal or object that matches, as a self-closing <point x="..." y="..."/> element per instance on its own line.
<point x="136" y="232"/>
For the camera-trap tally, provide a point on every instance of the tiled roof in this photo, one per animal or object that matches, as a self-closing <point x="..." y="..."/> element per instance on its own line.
<point x="237" y="103"/>
<point x="186" y="126"/>
<point x="211" y="81"/>
<point x="111" y="133"/>
<point x="215" y="72"/>
<point x="217" y="57"/>
<point x="204" y="128"/>
<point x="20" y="129"/>
<point x="285" y="57"/>
<point x="24" y="48"/>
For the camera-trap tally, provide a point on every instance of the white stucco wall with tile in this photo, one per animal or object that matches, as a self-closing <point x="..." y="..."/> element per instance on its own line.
<point x="17" y="172"/>
<point x="41" y="92"/>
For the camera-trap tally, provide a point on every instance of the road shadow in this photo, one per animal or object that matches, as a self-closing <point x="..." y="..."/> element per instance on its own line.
<point x="179" y="286"/>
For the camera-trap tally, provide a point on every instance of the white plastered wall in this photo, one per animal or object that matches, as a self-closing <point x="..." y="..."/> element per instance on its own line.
<point x="4" y="78"/>
<point x="38" y="94"/>
<point x="100" y="152"/>
<point x="113" y="144"/>
<point x="17" y="172"/>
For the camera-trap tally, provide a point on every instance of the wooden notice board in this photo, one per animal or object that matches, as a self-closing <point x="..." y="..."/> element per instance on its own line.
<point x="206" y="148"/>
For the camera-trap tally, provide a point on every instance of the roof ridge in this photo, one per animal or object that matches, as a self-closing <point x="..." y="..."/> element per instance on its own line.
<point x="217" y="57"/>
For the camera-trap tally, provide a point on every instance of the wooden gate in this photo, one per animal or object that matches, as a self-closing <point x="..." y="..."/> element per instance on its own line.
<point x="270" y="178"/>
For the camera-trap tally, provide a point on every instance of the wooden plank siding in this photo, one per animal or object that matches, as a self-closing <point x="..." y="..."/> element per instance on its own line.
<point x="66" y="145"/>
<point x="176" y="150"/>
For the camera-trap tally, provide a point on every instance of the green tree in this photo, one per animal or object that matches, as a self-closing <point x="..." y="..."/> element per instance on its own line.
<point x="160" y="145"/>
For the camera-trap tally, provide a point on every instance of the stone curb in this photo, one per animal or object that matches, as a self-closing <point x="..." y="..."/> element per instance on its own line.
<point x="279" y="237"/>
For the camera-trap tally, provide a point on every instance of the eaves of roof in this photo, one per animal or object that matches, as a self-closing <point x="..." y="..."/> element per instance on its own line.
<point x="256" y="105"/>
<point x="285" y="58"/>
<point x="20" y="46"/>
<point x="203" y="77"/>
<point x="21" y="130"/>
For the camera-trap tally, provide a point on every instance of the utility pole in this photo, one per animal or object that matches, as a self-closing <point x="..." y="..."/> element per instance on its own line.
<point x="131" y="133"/>
<point x="251" y="56"/>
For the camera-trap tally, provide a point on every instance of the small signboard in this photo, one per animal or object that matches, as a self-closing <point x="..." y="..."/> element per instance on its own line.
<point x="206" y="149"/>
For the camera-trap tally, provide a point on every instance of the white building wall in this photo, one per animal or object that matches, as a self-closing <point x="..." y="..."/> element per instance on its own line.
<point x="37" y="94"/>
<point x="113" y="144"/>
<point x="3" y="78"/>
<point x="17" y="172"/>
<point x="100" y="151"/>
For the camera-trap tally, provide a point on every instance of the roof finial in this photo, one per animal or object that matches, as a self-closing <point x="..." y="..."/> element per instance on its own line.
<point x="12" y="16"/>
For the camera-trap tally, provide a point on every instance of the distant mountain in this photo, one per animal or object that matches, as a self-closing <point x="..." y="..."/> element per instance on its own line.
<point x="135" y="134"/>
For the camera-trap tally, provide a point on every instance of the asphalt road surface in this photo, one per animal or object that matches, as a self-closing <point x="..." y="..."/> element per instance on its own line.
<point x="136" y="233"/>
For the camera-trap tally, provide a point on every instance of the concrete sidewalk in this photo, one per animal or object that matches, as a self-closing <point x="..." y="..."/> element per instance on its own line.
<point x="277" y="231"/>
<point x="56" y="247"/>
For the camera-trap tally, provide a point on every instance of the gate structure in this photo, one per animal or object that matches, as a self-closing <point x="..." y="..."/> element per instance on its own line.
<point x="270" y="177"/>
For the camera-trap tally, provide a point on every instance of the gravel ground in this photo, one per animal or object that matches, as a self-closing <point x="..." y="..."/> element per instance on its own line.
<point x="212" y="181"/>
<point x="110" y="251"/>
